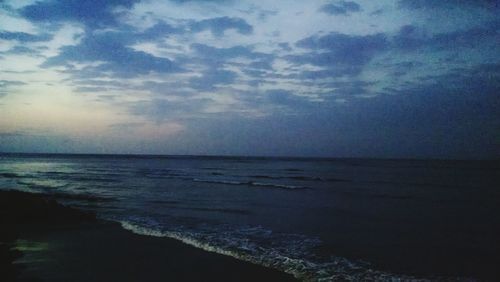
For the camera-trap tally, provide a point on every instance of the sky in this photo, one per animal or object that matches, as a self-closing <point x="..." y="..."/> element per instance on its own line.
<point x="363" y="78"/>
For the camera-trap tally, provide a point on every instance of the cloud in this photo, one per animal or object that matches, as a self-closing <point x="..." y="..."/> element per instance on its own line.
<point x="7" y="85"/>
<point x="337" y="48"/>
<point x="341" y="8"/>
<point x="203" y="1"/>
<point x="159" y="30"/>
<point x="90" y="12"/>
<point x="225" y="53"/>
<point x="114" y="56"/>
<point x="451" y="111"/>
<point x="337" y="54"/>
<point x="224" y="68"/>
<point x="211" y="78"/>
<point x="411" y="37"/>
<point x="219" y="25"/>
<point x="24" y="37"/>
<point x="431" y="4"/>
<point x="92" y="89"/>
<point x="282" y="97"/>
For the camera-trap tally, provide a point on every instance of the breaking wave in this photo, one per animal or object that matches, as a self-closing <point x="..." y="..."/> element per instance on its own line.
<point x="242" y="244"/>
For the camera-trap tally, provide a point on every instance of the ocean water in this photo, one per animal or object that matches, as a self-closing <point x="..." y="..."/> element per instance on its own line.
<point x="318" y="219"/>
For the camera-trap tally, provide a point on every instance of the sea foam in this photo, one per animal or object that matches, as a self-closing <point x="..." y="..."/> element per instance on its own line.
<point x="335" y="269"/>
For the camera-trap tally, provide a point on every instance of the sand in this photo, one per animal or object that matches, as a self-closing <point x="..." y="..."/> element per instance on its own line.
<point x="42" y="240"/>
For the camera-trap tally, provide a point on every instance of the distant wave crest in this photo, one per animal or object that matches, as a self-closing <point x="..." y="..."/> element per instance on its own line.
<point x="251" y="183"/>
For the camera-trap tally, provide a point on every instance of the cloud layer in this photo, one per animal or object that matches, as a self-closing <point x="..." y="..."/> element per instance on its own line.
<point x="323" y="78"/>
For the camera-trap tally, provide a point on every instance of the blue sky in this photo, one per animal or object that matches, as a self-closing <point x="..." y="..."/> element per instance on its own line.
<point x="400" y="78"/>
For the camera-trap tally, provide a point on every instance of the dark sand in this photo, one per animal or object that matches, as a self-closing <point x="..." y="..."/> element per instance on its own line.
<point x="44" y="241"/>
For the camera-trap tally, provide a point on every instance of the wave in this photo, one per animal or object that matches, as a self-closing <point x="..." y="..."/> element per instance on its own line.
<point x="92" y="179"/>
<point x="335" y="269"/>
<point x="282" y="186"/>
<point x="251" y="183"/>
<point x="168" y="202"/>
<point x="266" y="176"/>
<point x="214" y="168"/>
<point x="337" y="180"/>
<point x="222" y="210"/>
<point x="175" y="205"/>
<point x="299" y="177"/>
<point x="294" y="170"/>
<point x="45" y="185"/>
<point x="309" y="178"/>
<point x="49" y="192"/>
<point x="10" y="175"/>
<point x="306" y="178"/>
<point x="81" y="197"/>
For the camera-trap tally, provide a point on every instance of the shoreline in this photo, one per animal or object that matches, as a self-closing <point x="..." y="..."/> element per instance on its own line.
<point x="46" y="241"/>
<point x="43" y="240"/>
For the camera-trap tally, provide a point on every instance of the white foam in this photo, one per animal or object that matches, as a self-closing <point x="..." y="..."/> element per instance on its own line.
<point x="336" y="269"/>
<point x="250" y="183"/>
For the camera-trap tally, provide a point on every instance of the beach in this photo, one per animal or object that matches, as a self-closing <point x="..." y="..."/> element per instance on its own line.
<point x="42" y="240"/>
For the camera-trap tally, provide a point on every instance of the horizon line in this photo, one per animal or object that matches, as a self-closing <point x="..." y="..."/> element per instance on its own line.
<point x="138" y="155"/>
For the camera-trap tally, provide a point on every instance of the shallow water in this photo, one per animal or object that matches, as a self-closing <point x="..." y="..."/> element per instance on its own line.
<point x="315" y="218"/>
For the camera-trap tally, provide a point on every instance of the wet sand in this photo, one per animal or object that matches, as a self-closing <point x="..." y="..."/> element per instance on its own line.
<point x="42" y="240"/>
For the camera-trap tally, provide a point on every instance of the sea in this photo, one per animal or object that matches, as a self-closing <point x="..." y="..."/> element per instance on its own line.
<point x="317" y="219"/>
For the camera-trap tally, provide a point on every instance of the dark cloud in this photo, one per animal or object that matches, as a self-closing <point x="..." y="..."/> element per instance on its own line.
<point x="91" y="89"/>
<point x="403" y="68"/>
<point x="6" y="85"/>
<point x="285" y="46"/>
<point x="447" y="115"/>
<point x="432" y="4"/>
<point x="411" y="110"/>
<point x="24" y="37"/>
<point x="411" y="37"/>
<point x="22" y="50"/>
<point x="164" y="88"/>
<point x="226" y="53"/>
<point x="263" y="64"/>
<point x="346" y="55"/>
<point x="219" y="25"/>
<point x="286" y="98"/>
<point x="214" y="59"/>
<point x="90" y="12"/>
<point x="111" y="50"/>
<point x="377" y="12"/>
<point x="203" y="1"/>
<point x="211" y="78"/>
<point x="341" y="8"/>
<point x="159" y="30"/>
<point x="339" y="54"/>
<point x="337" y="48"/>
<point x="217" y="59"/>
